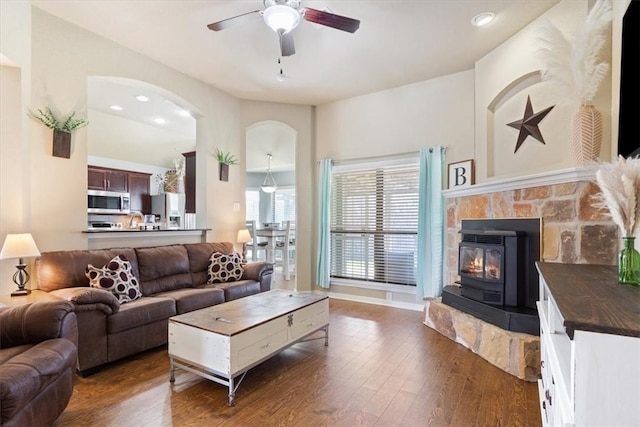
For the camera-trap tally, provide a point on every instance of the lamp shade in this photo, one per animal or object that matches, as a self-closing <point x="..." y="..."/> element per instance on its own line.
<point x="243" y="236"/>
<point x="281" y="17"/>
<point x="19" y="246"/>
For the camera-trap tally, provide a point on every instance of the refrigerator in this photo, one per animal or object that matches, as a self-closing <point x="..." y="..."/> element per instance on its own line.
<point x="170" y="208"/>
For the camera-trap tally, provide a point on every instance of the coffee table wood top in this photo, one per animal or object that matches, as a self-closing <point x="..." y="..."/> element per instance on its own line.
<point x="233" y="317"/>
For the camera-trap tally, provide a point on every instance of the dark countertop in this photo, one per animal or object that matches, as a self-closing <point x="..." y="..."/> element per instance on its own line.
<point x="590" y="298"/>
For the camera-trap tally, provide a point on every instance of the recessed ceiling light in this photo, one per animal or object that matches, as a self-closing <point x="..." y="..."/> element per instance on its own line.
<point x="482" y="18"/>
<point x="142" y="98"/>
<point x="116" y="107"/>
<point x="159" y="120"/>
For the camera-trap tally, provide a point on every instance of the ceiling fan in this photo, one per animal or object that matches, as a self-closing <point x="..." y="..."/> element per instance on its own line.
<point x="284" y="15"/>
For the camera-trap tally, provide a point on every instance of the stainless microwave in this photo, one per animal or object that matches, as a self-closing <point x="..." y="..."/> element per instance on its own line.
<point x="108" y="202"/>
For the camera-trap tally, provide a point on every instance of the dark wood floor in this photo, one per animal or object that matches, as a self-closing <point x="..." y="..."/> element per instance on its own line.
<point x="383" y="367"/>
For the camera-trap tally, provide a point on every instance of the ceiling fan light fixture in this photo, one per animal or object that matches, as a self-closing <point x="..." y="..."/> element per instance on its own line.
<point x="281" y="17"/>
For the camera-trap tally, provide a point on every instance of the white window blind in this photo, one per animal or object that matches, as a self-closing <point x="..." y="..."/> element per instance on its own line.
<point x="374" y="224"/>
<point x="252" y="200"/>
<point x="284" y="208"/>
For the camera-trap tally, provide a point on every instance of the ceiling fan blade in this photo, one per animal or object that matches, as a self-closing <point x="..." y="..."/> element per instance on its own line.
<point x="332" y="20"/>
<point x="287" y="47"/>
<point x="230" y="22"/>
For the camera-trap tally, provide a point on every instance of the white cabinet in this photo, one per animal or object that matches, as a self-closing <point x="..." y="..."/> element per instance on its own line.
<point x="590" y="347"/>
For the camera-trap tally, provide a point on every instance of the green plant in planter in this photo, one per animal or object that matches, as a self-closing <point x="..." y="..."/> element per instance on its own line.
<point x="62" y="129"/>
<point x="226" y="158"/>
<point x="68" y="124"/>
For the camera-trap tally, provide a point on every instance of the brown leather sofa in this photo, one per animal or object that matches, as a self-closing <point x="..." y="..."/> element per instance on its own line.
<point x="37" y="362"/>
<point x="172" y="280"/>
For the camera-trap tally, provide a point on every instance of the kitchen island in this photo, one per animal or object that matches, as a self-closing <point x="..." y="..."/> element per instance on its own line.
<point x="136" y="238"/>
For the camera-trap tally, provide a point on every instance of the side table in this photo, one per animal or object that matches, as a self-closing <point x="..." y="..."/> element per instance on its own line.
<point x="35" y="296"/>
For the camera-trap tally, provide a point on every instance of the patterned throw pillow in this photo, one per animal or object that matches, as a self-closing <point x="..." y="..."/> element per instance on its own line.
<point x="116" y="277"/>
<point x="224" y="268"/>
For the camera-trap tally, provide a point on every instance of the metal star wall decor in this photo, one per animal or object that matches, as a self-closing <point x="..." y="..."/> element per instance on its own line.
<point x="528" y="126"/>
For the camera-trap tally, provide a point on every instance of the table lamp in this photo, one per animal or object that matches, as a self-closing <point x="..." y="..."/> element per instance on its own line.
<point x="243" y="237"/>
<point x="19" y="246"/>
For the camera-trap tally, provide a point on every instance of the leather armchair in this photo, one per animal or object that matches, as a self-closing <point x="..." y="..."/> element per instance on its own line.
<point x="38" y="356"/>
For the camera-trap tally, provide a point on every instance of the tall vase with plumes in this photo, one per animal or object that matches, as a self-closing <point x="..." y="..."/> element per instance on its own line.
<point x="629" y="263"/>
<point x="574" y="66"/>
<point x="586" y="140"/>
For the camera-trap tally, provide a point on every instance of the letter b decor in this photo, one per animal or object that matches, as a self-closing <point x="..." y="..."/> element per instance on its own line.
<point x="461" y="174"/>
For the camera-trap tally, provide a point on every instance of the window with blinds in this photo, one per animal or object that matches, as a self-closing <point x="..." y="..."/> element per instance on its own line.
<point x="374" y="224"/>
<point x="284" y="207"/>
<point x="252" y="203"/>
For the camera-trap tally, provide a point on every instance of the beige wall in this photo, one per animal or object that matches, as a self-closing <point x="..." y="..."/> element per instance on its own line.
<point x="401" y="120"/>
<point x="301" y="119"/>
<point x="15" y="92"/>
<point x="497" y="71"/>
<point x="64" y="56"/>
<point x="56" y="58"/>
<point x="451" y="111"/>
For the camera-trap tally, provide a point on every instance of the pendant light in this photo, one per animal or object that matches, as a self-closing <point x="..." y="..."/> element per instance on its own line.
<point x="269" y="184"/>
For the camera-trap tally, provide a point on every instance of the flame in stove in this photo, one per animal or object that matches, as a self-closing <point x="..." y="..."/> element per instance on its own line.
<point x="492" y="272"/>
<point x="474" y="267"/>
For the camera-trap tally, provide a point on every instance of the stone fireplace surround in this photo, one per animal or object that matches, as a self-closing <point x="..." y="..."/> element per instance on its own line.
<point x="572" y="232"/>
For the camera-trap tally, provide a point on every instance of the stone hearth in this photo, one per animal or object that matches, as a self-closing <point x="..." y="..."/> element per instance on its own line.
<point x="513" y="352"/>
<point x="572" y="232"/>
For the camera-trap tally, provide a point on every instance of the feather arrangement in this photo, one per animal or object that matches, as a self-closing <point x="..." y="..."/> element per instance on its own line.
<point x="575" y="67"/>
<point x="619" y="184"/>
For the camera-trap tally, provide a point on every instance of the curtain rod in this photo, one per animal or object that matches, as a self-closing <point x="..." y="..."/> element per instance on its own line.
<point x="378" y="158"/>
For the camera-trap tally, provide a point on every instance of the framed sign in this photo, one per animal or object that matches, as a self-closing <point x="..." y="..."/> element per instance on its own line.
<point x="461" y="174"/>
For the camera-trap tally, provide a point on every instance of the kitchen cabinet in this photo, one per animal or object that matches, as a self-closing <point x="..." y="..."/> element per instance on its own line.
<point x="590" y="346"/>
<point x="105" y="179"/>
<point x="190" y="182"/>
<point x="138" y="184"/>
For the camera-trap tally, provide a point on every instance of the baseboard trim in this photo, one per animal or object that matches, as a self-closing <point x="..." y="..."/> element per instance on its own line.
<point x="376" y="301"/>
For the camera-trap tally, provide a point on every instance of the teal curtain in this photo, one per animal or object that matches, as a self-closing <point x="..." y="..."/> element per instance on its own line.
<point x="430" y="223"/>
<point x="324" y="223"/>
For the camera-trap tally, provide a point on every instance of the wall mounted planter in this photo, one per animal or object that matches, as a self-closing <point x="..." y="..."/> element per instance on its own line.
<point x="224" y="172"/>
<point x="61" y="144"/>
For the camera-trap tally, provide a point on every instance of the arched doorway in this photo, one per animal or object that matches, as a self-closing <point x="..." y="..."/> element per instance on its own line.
<point x="271" y="147"/>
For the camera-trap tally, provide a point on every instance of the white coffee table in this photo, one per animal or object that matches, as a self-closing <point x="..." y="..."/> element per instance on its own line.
<point x="223" y="342"/>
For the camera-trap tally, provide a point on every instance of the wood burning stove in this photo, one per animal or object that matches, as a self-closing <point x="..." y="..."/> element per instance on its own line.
<point x="491" y="265"/>
<point x="498" y="278"/>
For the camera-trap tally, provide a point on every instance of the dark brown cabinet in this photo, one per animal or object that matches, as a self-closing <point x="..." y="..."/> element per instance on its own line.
<point x="137" y="184"/>
<point x="139" y="192"/>
<point x="190" y="182"/>
<point x="107" y="179"/>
